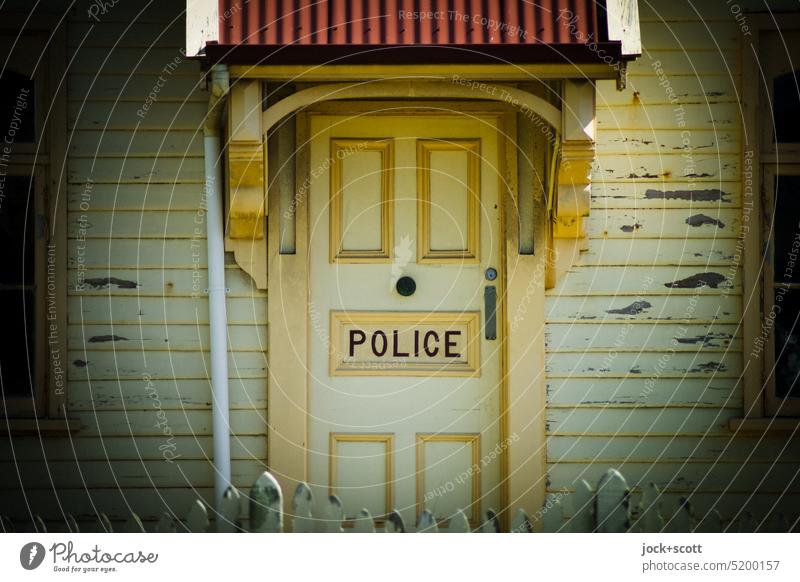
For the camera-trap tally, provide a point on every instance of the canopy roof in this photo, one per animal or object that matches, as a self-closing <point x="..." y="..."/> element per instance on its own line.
<point x="413" y="31"/>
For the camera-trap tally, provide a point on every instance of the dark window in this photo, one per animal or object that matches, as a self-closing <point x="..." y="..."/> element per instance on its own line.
<point x="787" y="229"/>
<point x="787" y="342"/>
<point x="786" y="96"/>
<point x="17" y="100"/>
<point x="17" y="292"/>
<point x="786" y="276"/>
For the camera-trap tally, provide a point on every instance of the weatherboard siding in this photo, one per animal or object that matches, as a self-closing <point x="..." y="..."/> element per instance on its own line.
<point x="138" y="336"/>
<point x="644" y="346"/>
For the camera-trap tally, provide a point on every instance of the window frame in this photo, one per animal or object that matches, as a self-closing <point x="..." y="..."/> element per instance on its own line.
<point x="34" y="405"/>
<point x="37" y="151"/>
<point x="46" y="161"/>
<point x="757" y="157"/>
<point x="773" y="405"/>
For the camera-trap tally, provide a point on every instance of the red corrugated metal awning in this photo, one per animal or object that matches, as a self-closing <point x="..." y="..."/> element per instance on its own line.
<point x="406" y="31"/>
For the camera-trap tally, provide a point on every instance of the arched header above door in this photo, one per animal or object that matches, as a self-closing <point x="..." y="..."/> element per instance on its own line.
<point x="570" y="131"/>
<point x="415" y="89"/>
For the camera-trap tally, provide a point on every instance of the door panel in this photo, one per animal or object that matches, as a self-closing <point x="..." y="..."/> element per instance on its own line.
<point x="448" y="220"/>
<point x="440" y="457"/>
<point x="362" y="201"/>
<point x="404" y="391"/>
<point x="361" y="471"/>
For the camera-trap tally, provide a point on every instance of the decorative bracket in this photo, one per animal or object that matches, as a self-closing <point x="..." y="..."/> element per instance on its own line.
<point x="245" y="187"/>
<point x="572" y="198"/>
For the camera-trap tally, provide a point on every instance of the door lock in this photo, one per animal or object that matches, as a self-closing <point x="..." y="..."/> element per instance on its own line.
<point x="490" y="311"/>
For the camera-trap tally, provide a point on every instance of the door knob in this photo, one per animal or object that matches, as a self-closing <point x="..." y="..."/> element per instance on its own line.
<point x="406" y="286"/>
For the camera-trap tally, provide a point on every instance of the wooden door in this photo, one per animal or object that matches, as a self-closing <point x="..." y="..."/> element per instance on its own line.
<point x="405" y="253"/>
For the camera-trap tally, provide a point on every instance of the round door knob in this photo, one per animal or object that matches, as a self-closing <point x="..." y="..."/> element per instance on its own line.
<point x="406" y="286"/>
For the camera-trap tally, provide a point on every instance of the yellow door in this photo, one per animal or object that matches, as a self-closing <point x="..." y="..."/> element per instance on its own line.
<point x="405" y="347"/>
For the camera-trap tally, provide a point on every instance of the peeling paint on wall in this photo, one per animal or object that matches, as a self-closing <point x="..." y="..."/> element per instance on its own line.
<point x="708" y="367"/>
<point x="106" y="338"/>
<point x="712" y="195"/>
<point x="702" y="219"/>
<point x="634" y="308"/>
<point x="711" y="280"/>
<point x="708" y="340"/>
<point x="102" y="282"/>
<point x="633" y="176"/>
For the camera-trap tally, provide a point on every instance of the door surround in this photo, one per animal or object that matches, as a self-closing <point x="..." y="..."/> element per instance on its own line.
<point x="522" y="408"/>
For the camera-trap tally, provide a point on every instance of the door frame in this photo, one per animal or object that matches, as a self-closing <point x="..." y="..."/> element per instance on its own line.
<point x="522" y="403"/>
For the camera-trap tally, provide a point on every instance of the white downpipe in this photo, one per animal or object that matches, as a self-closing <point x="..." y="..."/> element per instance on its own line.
<point x="217" y="315"/>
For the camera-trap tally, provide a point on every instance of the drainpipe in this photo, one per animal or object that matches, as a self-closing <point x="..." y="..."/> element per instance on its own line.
<point x="217" y="316"/>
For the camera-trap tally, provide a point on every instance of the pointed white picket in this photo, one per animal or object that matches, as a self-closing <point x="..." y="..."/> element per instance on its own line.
<point x="458" y="523"/>
<point x="133" y="524"/>
<point x="521" y="523"/>
<point x="567" y="511"/>
<point x="197" y="518"/>
<point x="745" y="523"/>
<point x="777" y="523"/>
<point x="610" y="509"/>
<point x="772" y="524"/>
<point x="364" y="522"/>
<point x="427" y="523"/>
<point x="230" y="509"/>
<point x="583" y="506"/>
<point x="650" y="520"/>
<point x="266" y="505"/>
<point x="552" y="518"/>
<point x="333" y="515"/>
<point x="491" y="524"/>
<point x="302" y="502"/>
<point x="612" y="503"/>
<point x="104" y="524"/>
<point x="394" y="523"/>
<point x="72" y="524"/>
<point x="681" y="520"/>
<point x="710" y="522"/>
<point x="166" y="524"/>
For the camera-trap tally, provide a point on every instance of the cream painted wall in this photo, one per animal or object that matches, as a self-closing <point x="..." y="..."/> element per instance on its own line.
<point x="138" y="332"/>
<point x="643" y="369"/>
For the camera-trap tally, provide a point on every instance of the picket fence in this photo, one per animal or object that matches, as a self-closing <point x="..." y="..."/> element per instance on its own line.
<point x="606" y="508"/>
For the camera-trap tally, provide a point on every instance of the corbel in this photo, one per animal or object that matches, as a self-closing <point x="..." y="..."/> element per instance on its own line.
<point x="572" y="198"/>
<point x="245" y="181"/>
